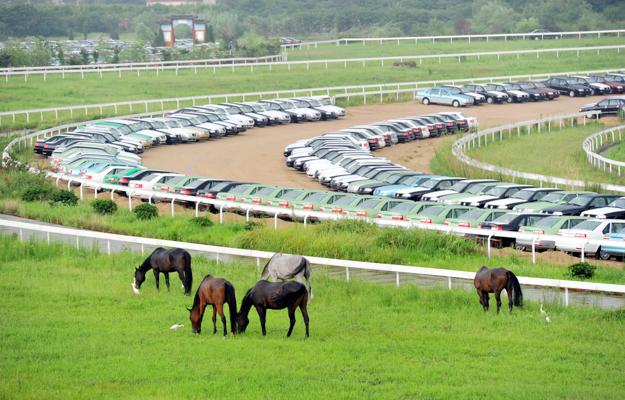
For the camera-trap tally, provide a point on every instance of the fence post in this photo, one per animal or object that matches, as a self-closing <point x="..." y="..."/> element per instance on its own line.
<point x="566" y="296"/>
<point x="108" y="246"/>
<point x="275" y="221"/>
<point x="347" y="273"/>
<point x="221" y="213"/>
<point x="397" y="279"/>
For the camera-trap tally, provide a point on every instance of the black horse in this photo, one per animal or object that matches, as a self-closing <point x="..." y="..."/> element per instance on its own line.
<point x="274" y="296"/>
<point x="494" y="281"/>
<point x="166" y="261"/>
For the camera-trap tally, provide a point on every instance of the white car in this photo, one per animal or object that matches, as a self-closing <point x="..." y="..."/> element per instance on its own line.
<point x="591" y="229"/>
<point x="279" y="117"/>
<point x="187" y="134"/>
<point x="223" y="111"/>
<point x="96" y="179"/>
<point x="309" y="113"/>
<point x="146" y="184"/>
<point x="472" y="121"/>
<point x="140" y="127"/>
<point x="323" y="100"/>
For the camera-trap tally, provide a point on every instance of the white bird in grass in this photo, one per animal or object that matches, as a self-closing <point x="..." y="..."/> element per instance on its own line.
<point x="134" y="287"/>
<point x="548" y="320"/>
<point x="541" y="309"/>
<point x="175" y="327"/>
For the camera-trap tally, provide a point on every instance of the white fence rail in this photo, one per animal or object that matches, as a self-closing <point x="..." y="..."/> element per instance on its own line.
<point x="504" y="36"/>
<point x="347" y="264"/>
<point x="327" y="91"/>
<point x="597" y="141"/>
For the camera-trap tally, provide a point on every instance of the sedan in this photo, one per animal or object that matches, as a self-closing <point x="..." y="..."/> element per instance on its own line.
<point x="521" y="197"/>
<point x="551" y="200"/>
<point x="590" y="229"/>
<point x="510" y="222"/>
<point x="538" y="34"/>
<point x="438" y="214"/>
<point x="567" y="86"/>
<point x="616" y="209"/>
<point x="549" y="93"/>
<point x="547" y="226"/>
<point x="473" y="218"/>
<point x="607" y="106"/>
<point x="613" y="245"/>
<point x="437" y="95"/>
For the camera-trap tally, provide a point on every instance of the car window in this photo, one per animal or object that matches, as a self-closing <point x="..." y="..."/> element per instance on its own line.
<point x="533" y="219"/>
<point x="435" y="91"/>
<point x="617" y="226"/>
<point x="240" y="189"/>
<point x="598" y="202"/>
<point x="614" y="103"/>
<point x="460" y="211"/>
<point x="444" y="92"/>
<point x="540" y="195"/>
<point x="606" y="229"/>
<point x="574" y="222"/>
<point x="589" y="225"/>
<point x="547" y="222"/>
<point x="369" y="204"/>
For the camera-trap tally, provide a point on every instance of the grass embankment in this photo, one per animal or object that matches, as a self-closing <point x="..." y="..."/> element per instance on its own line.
<point x="557" y="153"/>
<point x="616" y="153"/>
<point x="73" y="90"/>
<point x="72" y="328"/>
<point x="390" y="48"/>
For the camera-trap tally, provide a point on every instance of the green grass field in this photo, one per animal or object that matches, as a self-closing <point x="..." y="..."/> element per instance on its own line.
<point x="72" y="328"/>
<point x="557" y="153"/>
<point x="373" y="49"/>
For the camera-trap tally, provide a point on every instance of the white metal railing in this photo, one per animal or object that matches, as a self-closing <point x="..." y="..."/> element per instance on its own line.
<point x="502" y="36"/>
<point x="347" y="264"/>
<point x="327" y="91"/>
<point x="481" y="137"/>
<point x="596" y="141"/>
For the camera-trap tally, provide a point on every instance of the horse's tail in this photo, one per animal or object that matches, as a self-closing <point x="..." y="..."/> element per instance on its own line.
<point x="307" y="271"/>
<point x="231" y="299"/>
<point x="516" y="289"/>
<point x="188" y="273"/>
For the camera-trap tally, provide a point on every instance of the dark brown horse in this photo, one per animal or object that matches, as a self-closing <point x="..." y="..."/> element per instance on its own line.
<point x="166" y="261"/>
<point x="216" y="292"/>
<point x="494" y="281"/>
<point x="274" y="296"/>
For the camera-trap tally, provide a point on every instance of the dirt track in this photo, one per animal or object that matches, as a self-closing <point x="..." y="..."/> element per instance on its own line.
<point x="256" y="155"/>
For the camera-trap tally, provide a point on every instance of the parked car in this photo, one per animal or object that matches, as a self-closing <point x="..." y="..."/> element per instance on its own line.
<point x="194" y="187"/>
<point x="611" y="245"/>
<point x="591" y="229"/>
<point x="471" y="121"/>
<point x="550" y="94"/>
<point x="551" y="200"/>
<point x="616" y="209"/>
<point x="457" y="89"/>
<point x="615" y="87"/>
<point x="514" y="95"/>
<point x="510" y="222"/>
<point x="607" y="106"/>
<point x="567" y="86"/>
<point x="436" y="95"/>
<point x="473" y="218"/>
<point x="595" y="88"/>
<point x="539" y="34"/>
<point x="582" y="203"/>
<point x="521" y="197"/>
<point x="534" y="95"/>
<point x="548" y="226"/>
<point x="492" y="96"/>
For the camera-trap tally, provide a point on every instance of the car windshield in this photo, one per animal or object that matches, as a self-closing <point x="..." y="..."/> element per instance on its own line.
<point x="513" y="86"/>
<point x="618" y="203"/>
<point x="287" y="106"/>
<point x="458" y="186"/>
<point x="177" y="179"/>
<point x="541" y="85"/>
<point x="575" y="81"/>
<point x="553" y="197"/>
<point x="240" y="189"/>
<point x="184" y="122"/>
<point x="580" y="201"/>
<point x="220" y="187"/>
<point x="369" y="204"/>
<point x="523" y="195"/>
<point x="300" y="104"/>
<point x="454" y="90"/>
<point x="611" y="78"/>
<point x="411" y="181"/>
<point x="547" y="222"/>
<point x="293" y="194"/>
<point x="504" y="219"/>
<point x="159" y="125"/>
<point x="257" y="108"/>
<point x="588" y="225"/>
<point x="490" y="87"/>
<point x="173" y="124"/>
<point x="473" y="214"/>
<point x="124" y="130"/>
<point x="265" y="191"/>
<point x="526" y="86"/>
<point x="591" y="79"/>
<point x="196" y="183"/>
<point x="314" y="103"/>
<point x="475" y="189"/>
<point x="433" y="211"/>
<point x="323" y="102"/>
<point x="316" y="197"/>
<point x="245" y="108"/>
<point x="497" y="191"/>
<point x="202" y="118"/>
<point x="404" y="207"/>
<point x="344" y="201"/>
<point x="431" y="183"/>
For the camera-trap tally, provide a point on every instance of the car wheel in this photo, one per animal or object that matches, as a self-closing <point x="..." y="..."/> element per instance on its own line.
<point x="589" y="116"/>
<point x="536" y="38"/>
<point x="602" y="255"/>
<point x="456" y="103"/>
<point x="593" y="92"/>
<point x="519" y="247"/>
<point x="510" y="99"/>
<point x="572" y="93"/>
<point x="490" y="100"/>
<point x="426" y="101"/>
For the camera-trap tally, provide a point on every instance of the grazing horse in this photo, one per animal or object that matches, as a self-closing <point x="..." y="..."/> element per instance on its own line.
<point x="286" y="266"/>
<point x="166" y="261"/>
<point x="274" y="296"/>
<point x="216" y="292"/>
<point x="494" y="281"/>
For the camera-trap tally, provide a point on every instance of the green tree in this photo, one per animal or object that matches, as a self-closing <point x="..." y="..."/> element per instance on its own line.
<point x="70" y="34"/>
<point x="84" y="54"/>
<point x="136" y="52"/>
<point x="210" y="34"/>
<point x="85" y="30"/>
<point x="159" y="39"/>
<point x="144" y="33"/>
<point x="527" y="25"/>
<point x="115" y="59"/>
<point x="115" y="35"/>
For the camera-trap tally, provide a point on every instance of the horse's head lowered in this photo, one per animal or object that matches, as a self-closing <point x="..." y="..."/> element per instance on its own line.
<point x="139" y="278"/>
<point x="242" y="322"/>
<point x="196" y="319"/>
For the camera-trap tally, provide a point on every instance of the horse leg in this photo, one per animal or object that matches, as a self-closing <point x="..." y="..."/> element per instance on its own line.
<point x="261" y="314"/>
<point x="480" y="294"/>
<point x="292" y="318"/>
<point x="156" y="278"/>
<point x="304" y="310"/>
<point x="184" y="280"/>
<point x="485" y="301"/>
<point x="498" y="298"/>
<point x="509" y="290"/>
<point x="220" y="311"/>
<point x="214" y="320"/>
<point x="166" y="279"/>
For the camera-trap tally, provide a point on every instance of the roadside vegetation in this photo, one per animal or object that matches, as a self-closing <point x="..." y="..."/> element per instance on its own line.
<point x="406" y="342"/>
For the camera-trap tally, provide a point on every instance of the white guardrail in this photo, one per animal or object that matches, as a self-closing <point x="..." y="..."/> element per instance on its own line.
<point x="596" y="141"/>
<point x="503" y="36"/>
<point x="475" y="140"/>
<point x="332" y="91"/>
<point x="214" y="64"/>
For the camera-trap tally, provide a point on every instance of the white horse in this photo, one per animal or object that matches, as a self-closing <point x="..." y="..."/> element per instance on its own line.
<point x="287" y="266"/>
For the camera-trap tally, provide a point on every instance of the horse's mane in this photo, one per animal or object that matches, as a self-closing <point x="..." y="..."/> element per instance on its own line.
<point x="266" y="265"/>
<point x="146" y="265"/>
<point x="196" y="299"/>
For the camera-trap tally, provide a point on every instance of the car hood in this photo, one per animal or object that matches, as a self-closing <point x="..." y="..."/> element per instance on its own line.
<point x="478" y="199"/>
<point x="603" y="211"/>
<point x="507" y="202"/>
<point x="497" y="93"/>
<point x="440" y="193"/>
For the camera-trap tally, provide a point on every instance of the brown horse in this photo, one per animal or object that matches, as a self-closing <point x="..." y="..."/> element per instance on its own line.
<point x="216" y="292"/>
<point x="166" y="261"/>
<point x="274" y="296"/>
<point x="494" y="281"/>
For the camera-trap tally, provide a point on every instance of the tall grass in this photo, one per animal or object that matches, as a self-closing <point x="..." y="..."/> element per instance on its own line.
<point x="72" y="328"/>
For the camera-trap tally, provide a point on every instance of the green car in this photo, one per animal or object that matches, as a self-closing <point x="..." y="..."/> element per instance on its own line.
<point x="286" y="202"/>
<point x="552" y="199"/>
<point x="472" y="218"/>
<point x="546" y="226"/>
<point x="438" y="214"/>
<point x="345" y="202"/>
<point x="263" y="196"/>
<point x="399" y="212"/>
<point x="371" y="207"/>
<point x="171" y="185"/>
<point x="373" y="176"/>
<point x="475" y="190"/>
<point x="240" y="193"/>
<point x="318" y="201"/>
<point x="387" y="178"/>
<point x="146" y="140"/>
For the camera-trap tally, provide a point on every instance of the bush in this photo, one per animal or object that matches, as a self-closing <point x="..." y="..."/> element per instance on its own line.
<point x="582" y="270"/>
<point x="146" y="211"/>
<point x="251" y="225"/>
<point x="63" y="197"/>
<point x="203" y="222"/>
<point x="104" y="206"/>
<point x="37" y="193"/>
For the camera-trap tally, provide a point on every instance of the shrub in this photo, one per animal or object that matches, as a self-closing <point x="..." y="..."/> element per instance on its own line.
<point x="582" y="270"/>
<point x="37" y="193"/>
<point x="63" y="197"/>
<point x="203" y="222"/>
<point x="146" y="211"/>
<point x="251" y="225"/>
<point x="104" y="206"/>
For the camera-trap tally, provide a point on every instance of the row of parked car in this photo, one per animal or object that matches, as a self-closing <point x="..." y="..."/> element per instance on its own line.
<point x="391" y="191"/>
<point x="88" y="149"/>
<point x="522" y="91"/>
